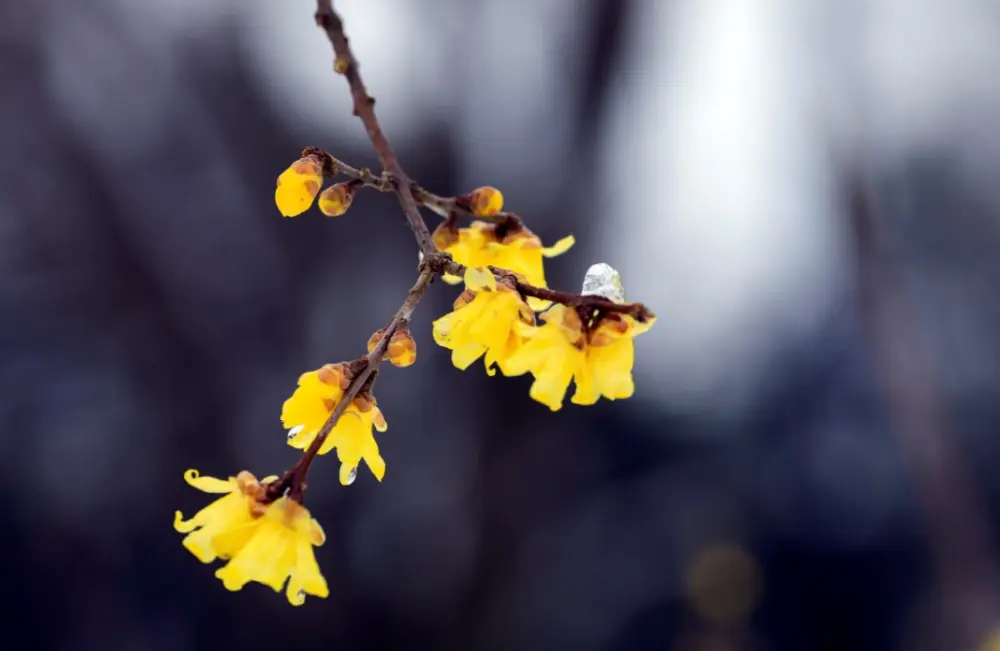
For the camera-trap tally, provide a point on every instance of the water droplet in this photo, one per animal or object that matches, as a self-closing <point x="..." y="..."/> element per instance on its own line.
<point x="604" y="280"/>
<point x="348" y="474"/>
<point x="295" y="430"/>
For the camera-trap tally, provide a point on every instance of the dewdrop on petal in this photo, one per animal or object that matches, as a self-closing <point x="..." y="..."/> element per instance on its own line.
<point x="336" y="199"/>
<point x="298" y="186"/>
<point x="604" y="280"/>
<point x="485" y="201"/>
<point x="348" y="474"/>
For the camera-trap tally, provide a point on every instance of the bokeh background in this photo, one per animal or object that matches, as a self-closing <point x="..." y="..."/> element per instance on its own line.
<point x="807" y="193"/>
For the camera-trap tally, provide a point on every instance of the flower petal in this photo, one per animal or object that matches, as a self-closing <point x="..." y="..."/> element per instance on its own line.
<point x="208" y="484"/>
<point x="559" y="247"/>
<point x="480" y="278"/>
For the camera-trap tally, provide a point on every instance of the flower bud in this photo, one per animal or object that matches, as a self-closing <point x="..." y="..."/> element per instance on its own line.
<point x="336" y="199"/>
<point x="485" y="201"/>
<point x="402" y="351"/>
<point x="298" y="185"/>
<point x="374" y="339"/>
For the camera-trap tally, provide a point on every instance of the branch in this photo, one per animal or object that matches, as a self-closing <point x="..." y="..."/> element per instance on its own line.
<point x="364" y="108"/>
<point x="443" y="206"/>
<point x="958" y="527"/>
<point x="294" y="479"/>
<point x="333" y="166"/>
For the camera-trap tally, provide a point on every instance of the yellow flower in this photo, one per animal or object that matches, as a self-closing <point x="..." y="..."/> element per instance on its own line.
<point x="220" y="529"/>
<point x="279" y="547"/>
<point x="298" y="186"/>
<point x="312" y="403"/>
<point x="598" y="357"/>
<point x="517" y="250"/>
<point x="484" y="322"/>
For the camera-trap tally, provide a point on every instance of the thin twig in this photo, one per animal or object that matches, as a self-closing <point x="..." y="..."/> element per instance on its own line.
<point x="443" y="206"/>
<point x="434" y="262"/>
<point x="294" y="479"/>
<point x="958" y="528"/>
<point x="364" y="108"/>
<point x="333" y="165"/>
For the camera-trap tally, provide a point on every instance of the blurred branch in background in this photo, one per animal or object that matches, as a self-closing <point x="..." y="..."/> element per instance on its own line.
<point x="958" y="531"/>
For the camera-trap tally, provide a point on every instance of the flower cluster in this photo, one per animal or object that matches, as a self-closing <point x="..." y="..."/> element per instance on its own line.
<point x="506" y="315"/>
<point x="270" y="543"/>
<point x="594" y="350"/>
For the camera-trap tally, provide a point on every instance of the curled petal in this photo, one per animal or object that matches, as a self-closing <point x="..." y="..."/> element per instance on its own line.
<point x="207" y="484"/>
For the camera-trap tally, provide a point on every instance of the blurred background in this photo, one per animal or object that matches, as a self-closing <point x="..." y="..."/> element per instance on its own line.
<point x="805" y="192"/>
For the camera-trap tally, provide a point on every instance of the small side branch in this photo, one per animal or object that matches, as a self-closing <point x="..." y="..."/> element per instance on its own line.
<point x="294" y="480"/>
<point x="364" y="107"/>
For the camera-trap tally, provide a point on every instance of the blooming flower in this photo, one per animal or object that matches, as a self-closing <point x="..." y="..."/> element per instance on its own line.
<point x="515" y="249"/>
<point x="220" y="529"/>
<point x="312" y="403"/>
<point x="597" y="356"/>
<point x="484" y="322"/>
<point x="279" y="547"/>
<point x="298" y="186"/>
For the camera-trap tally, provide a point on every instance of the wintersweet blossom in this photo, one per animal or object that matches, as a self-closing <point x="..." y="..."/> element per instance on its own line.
<point x="219" y="530"/>
<point x="298" y="186"/>
<point x="515" y="249"/>
<point x="483" y="323"/>
<point x="598" y="357"/>
<point x="305" y="412"/>
<point x="279" y="548"/>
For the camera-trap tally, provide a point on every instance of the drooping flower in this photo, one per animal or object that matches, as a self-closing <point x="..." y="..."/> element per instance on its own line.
<point x="312" y="403"/>
<point x="516" y="249"/>
<point x="598" y="356"/>
<point x="484" y="322"/>
<point x="298" y="186"/>
<point x="279" y="547"/>
<point x="220" y="529"/>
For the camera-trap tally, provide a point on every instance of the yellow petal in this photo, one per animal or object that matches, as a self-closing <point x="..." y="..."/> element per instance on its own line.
<point x="228" y="543"/>
<point x="306" y="577"/>
<point x="207" y="484"/>
<point x="477" y="279"/>
<point x="181" y="525"/>
<point x="450" y="279"/>
<point x="463" y="357"/>
<point x="559" y="247"/>
<point x="379" y="420"/>
<point x="587" y="391"/>
<point x="375" y="463"/>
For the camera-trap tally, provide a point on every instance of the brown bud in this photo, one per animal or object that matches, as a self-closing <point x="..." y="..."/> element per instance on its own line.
<point x="332" y="374"/>
<point x="336" y="199"/>
<point x="485" y="201"/>
<point x="402" y="351"/>
<point x="374" y="339"/>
